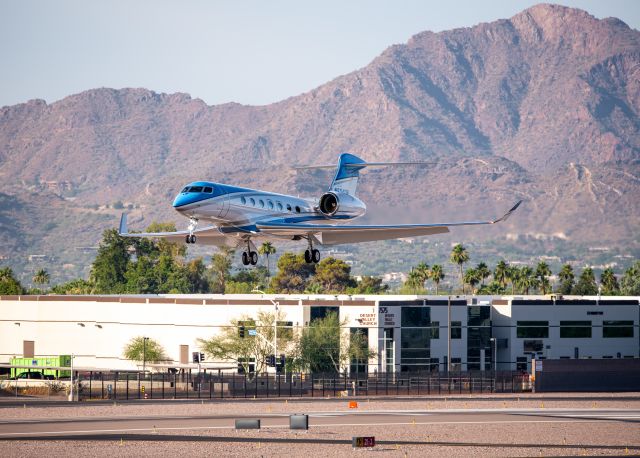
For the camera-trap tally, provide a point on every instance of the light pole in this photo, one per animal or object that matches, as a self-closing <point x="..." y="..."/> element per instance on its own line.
<point x="275" y="325"/>
<point x="494" y="355"/>
<point x="144" y="354"/>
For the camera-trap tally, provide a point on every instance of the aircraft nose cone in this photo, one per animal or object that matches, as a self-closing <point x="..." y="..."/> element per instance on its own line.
<point x="180" y="200"/>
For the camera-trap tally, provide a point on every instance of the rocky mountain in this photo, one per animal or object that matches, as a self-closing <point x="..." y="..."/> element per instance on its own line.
<point x="543" y="106"/>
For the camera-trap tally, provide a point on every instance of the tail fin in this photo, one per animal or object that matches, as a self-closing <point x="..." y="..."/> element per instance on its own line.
<point x="348" y="171"/>
<point x="347" y="174"/>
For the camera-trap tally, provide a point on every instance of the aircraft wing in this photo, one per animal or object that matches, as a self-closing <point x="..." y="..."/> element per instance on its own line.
<point x="209" y="235"/>
<point x="334" y="235"/>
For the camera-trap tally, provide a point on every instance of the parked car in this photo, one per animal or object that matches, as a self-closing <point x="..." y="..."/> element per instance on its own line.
<point x="35" y="375"/>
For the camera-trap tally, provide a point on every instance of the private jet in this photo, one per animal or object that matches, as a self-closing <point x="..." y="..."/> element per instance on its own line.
<point x="238" y="217"/>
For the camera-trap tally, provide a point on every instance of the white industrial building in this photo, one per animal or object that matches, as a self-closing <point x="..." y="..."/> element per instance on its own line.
<point x="407" y="333"/>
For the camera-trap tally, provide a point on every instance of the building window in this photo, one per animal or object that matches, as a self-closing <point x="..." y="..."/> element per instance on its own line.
<point x="435" y="329"/>
<point x="415" y="317"/>
<point x="575" y="329"/>
<point x="599" y="312"/>
<point x="521" y="363"/>
<point x="532" y="329"/>
<point x="478" y="335"/>
<point x="456" y="329"/>
<point x="360" y="337"/>
<point x="613" y="329"/>
<point x="532" y="346"/>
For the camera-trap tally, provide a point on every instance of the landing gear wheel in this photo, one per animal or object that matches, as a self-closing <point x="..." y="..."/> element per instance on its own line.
<point x="245" y="258"/>
<point x="315" y="255"/>
<point x="187" y="239"/>
<point x="192" y="238"/>
<point x="253" y="258"/>
<point x="308" y="257"/>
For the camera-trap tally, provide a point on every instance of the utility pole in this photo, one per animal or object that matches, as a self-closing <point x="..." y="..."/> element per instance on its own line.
<point x="448" y="334"/>
<point x="144" y="354"/>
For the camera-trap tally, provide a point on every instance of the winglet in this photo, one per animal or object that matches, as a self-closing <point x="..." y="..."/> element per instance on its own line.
<point x="508" y="214"/>
<point x="123" y="225"/>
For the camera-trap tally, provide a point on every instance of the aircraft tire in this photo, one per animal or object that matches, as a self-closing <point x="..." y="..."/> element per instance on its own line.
<point x="187" y="239"/>
<point x="245" y="258"/>
<point x="193" y="238"/>
<point x="307" y="257"/>
<point x="315" y="255"/>
<point x="253" y="258"/>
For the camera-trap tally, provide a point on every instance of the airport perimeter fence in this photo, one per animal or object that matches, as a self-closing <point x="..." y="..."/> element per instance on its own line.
<point x="218" y="385"/>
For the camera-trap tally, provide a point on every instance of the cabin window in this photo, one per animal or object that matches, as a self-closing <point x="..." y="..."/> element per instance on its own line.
<point x="208" y="189"/>
<point x="243" y="200"/>
<point x="270" y="204"/>
<point x="252" y="201"/>
<point x="261" y="203"/>
<point x="195" y="189"/>
<point x="288" y="207"/>
<point x="297" y="209"/>
<point x="279" y="205"/>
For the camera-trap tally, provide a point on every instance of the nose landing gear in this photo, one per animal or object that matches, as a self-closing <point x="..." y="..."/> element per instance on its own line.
<point x="191" y="237"/>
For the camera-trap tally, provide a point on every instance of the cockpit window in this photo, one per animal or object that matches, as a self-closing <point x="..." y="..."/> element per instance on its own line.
<point x="185" y="189"/>
<point x="195" y="189"/>
<point x="208" y="189"/>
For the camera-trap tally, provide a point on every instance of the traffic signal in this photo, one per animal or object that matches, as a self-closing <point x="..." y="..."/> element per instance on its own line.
<point x="271" y="360"/>
<point x="196" y="357"/>
<point x="201" y="357"/>
<point x="241" y="332"/>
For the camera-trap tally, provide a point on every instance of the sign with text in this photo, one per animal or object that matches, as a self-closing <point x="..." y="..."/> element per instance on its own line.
<point x="367" y="319"/>
<point x="358" y="442"/>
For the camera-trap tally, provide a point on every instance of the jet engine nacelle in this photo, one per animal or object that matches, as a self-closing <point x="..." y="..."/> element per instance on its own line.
<point x="335" y="204"/>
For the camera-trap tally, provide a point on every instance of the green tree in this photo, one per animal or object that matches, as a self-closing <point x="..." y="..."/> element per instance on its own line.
<point x="333" y="276"/>
<point x="483" y="272"/>
<point x="151" y="351"/>
<point x="527" y="279"/>
<point x="246" y="350"/>
<point x="267" y="249"/>
<point x="110" y="266"/>
<point x="414" y="283"/>
<point x="630" y="284"/>
<point x="472" y="278"/>
<point x="501" y="273"/>
<point x="424" y="272"/>
<point x="324" y="347"/>
<point x="437" y="275"/>
<point x="220" y="270"/>
<point x="293" y="274"/>
<point x="543" y="273"/>
<point x="566" y="278"/>
<point x="586" y="285"/>
<point x="609" y="282"/>
<point x="174" y="250"/>
<point x="369" y="285"/>
<point x="492" y="288"/>
<point x="9" y="285"/>
<point x="196" y="276"/>
<point x="459" y="256"/>
<point x="74" y="287"/>
<point x="513" y="277"/>
<point x="41" y="277"/>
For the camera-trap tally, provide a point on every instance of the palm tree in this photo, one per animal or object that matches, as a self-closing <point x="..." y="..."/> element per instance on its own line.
<point x="483" y="272"/>
<point x="527" y="279"/>
<point x="542" y="272"/>
<point x="41" y="277"/>
<point x="566" y="277"/>
<point x="472" y="278"/>
<point x="423" y="271"/>
<point x="459" y="256"/>
<point x="266" y="249"/>
<point x="513" y="277"/>
<point x="437" y="274"/>
<point x="609" y="282"/>
<point x="501" y="274"/>
<point x="414" y="280"/>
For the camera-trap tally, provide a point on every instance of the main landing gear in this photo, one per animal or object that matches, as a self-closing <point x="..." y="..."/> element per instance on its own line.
<point x="311" y="255"/>
<point x="249" y="256"/>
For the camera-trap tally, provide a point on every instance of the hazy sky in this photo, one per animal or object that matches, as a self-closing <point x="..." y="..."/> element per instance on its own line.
<point x="251" y="52"/>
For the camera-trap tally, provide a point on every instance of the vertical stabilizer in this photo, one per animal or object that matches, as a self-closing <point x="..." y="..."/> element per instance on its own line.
<point x="347" y="174"/>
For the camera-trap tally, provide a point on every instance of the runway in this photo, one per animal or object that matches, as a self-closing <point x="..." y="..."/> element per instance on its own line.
<point x="102" y="427"/>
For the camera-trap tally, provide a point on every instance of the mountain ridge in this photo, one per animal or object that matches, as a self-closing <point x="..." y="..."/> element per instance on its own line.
<point x="542" y="106"/>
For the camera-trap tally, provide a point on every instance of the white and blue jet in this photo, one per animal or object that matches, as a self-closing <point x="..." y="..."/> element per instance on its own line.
<point x="237" y="217"/>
